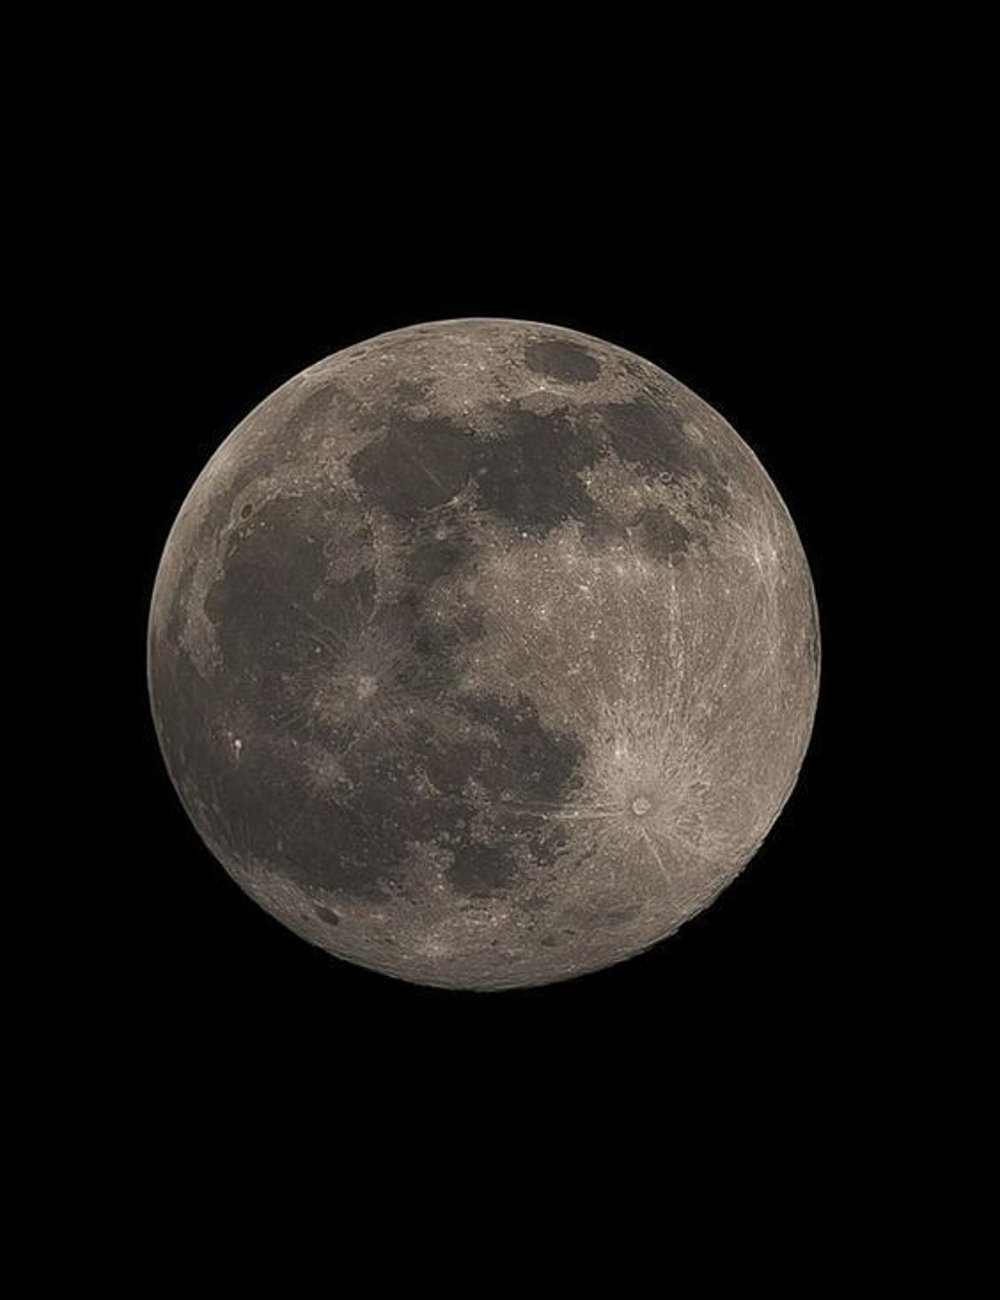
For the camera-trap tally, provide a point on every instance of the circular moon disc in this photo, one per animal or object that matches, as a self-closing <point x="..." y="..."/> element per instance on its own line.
<point x="483" y="654"/>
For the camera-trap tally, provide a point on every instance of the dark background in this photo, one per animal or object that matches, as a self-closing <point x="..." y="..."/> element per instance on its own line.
<point x="759" y="210"/>
<point x="768" y="209"/>
<point x="766" y="317"/>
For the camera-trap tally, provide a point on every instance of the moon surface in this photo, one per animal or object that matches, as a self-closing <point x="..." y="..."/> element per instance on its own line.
<point x="483" y="654"/>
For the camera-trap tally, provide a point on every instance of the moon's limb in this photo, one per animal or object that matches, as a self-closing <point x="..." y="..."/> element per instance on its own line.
<point x="483" y="654"/>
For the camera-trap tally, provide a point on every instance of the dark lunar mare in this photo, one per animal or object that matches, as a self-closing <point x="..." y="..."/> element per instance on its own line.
<point x="272" y="592"/>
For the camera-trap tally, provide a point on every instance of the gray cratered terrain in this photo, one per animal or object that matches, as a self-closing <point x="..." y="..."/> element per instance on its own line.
<point x="483" y="654"/>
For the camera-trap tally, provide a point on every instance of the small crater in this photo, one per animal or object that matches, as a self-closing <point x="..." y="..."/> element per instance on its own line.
<point x="247" y="511"/>
<point x="327" y="914"/>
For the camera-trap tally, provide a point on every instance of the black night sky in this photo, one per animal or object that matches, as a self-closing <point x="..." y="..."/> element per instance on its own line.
<point x="766" y="210"/>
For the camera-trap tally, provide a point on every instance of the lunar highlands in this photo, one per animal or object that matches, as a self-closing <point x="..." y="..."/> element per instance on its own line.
<point x="483" y="654"/>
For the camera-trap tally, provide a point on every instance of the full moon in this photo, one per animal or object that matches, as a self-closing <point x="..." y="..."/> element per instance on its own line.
<point x="483" y="654"/>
